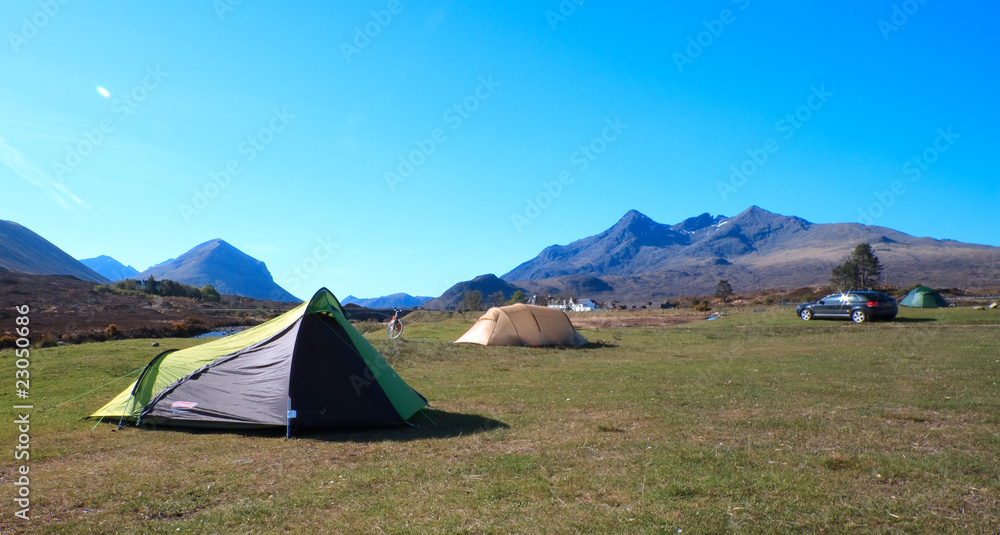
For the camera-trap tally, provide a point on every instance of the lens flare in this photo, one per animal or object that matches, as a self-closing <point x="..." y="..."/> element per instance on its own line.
<point x="104" y="92"/>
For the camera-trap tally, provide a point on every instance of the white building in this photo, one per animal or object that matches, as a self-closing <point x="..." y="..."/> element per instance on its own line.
<point x="583" y="305"/>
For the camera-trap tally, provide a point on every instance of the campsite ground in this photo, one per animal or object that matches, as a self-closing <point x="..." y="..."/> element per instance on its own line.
<point x="753" y="423"/>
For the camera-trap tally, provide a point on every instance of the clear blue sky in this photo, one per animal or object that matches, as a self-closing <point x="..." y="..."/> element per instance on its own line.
<point x="393" y="146"/>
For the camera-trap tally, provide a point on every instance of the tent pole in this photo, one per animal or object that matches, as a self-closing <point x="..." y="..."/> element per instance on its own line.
<point x="121" y="422"/>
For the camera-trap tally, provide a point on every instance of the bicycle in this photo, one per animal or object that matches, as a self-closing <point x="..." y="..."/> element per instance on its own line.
<point x="395" y="326"/>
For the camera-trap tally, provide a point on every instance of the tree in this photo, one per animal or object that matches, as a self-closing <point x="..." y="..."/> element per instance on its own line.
<point x="518" y="297"/>
<point x="861" y="270"/>
<point x="845" y="276"/>
<point x="724" y="290"/>
<point x="496" y="298"/>
<point x="472" y="300"/>
<point x="169" y="288"/>
<point x="869" y="267"/>
<point x="209" y="293"/>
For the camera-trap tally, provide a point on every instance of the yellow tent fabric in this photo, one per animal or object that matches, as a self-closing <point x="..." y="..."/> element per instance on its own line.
<point x="523" y="325"/>
<point x="174" y="366"/>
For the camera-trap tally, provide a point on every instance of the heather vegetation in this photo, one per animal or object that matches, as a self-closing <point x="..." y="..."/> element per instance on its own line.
<point x="162" y="288"/>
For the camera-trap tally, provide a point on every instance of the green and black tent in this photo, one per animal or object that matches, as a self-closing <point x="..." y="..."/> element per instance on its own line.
<point x="307" y="367"/>
<point x="923" y="297"/>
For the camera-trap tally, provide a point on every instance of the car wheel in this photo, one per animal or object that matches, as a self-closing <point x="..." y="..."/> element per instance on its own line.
<point x="858" y="316"/>
<point x="806" y="314"/>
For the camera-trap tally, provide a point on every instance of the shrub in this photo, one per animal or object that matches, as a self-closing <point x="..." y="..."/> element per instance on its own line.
<point x="97" y="336"/>
<point x="111" y="331"/>
<point x="193" y="320"/>
<point x="368" y="326"/>
<point x="179" y="329"/>
<point x="73" y="338"/>
<point x="701" y="307"/>
<point x="208" y="293"/>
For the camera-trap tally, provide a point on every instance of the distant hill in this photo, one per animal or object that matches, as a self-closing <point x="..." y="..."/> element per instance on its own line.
<point x="400" y="300"/>
<point x="226" y="268"/>
<point x="70" y="306"/>
<point x="487" y="284"/>
<point x="23" y="251"/>
<point x="638" y="258"/>
<point x="110" y="268"/>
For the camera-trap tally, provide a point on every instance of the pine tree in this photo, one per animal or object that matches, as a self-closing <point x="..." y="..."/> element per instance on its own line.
<point x="861" y="270"/>
<point x="724" y="290"/>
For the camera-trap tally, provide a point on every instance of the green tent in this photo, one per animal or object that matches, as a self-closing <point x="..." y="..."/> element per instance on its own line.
<point x="307" y="367"/>
<point x="923" y="297"/>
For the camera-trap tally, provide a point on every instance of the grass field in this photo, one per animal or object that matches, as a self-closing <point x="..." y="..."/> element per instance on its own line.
<point x="753" y="423"/>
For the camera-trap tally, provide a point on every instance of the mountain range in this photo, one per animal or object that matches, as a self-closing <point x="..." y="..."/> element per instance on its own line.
<point x="636" y="259"/>
<point x="110" y="268"/>
<point x="215" y="262"/>
<point x="639" y="259"/>
<point x="400" y="300"/>
<point x="23" y="251"/>
<point x="226" y="268"/>
<point x="487" y="284"/>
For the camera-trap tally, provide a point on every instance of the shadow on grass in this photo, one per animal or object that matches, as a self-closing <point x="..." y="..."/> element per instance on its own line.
<point x="899" y="319"/>
<point x="427" y="424"/>
<point x="448" y="425"/>
<point x="602" y="344"/>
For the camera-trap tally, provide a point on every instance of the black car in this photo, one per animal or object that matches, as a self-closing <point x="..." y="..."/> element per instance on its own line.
<point x="856" y="306"/>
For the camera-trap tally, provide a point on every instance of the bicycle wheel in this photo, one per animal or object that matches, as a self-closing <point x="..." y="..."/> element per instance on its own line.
<point x="395" y="328"/>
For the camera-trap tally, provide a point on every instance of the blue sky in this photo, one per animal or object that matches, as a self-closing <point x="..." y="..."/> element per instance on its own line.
<point x="395" y="146"/>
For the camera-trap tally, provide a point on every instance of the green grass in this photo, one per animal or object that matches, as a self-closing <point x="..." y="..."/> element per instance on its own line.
<point x="754" y="423"/>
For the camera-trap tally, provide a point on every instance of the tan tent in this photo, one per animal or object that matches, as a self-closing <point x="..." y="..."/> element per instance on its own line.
<point x="523" y="325"/>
